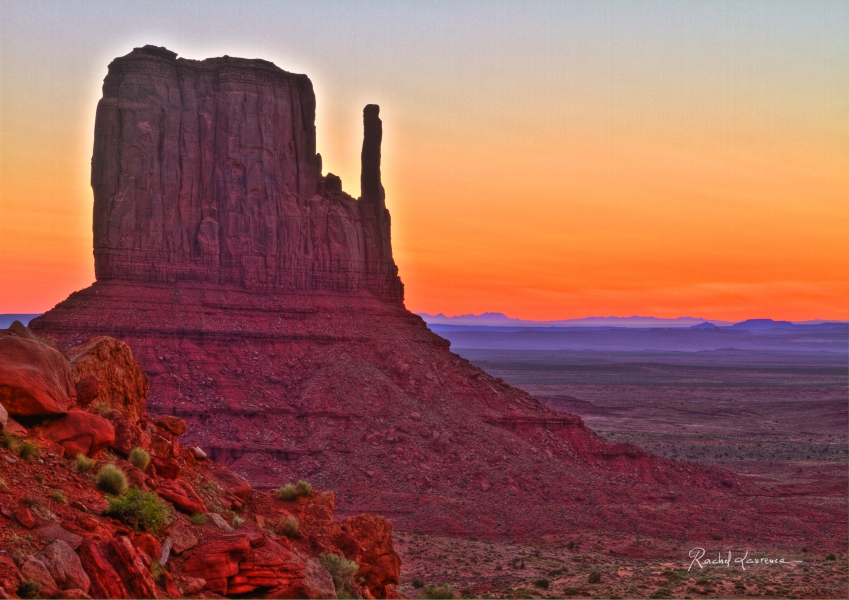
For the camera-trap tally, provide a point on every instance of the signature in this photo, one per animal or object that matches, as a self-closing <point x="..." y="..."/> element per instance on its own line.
<point x="698" y="556"/>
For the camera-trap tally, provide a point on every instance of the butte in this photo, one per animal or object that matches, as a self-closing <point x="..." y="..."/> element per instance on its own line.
<point x="266" y="308"/>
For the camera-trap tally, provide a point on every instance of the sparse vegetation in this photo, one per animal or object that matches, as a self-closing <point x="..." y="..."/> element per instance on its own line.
<point x="286" y="493"/>
<point x="100" y="407"/>
<point x="198" y="519"/>
<point x="303" y="488"/>
<point x="9" y="441"/>
<point x="418" y="583"/>
<point x="29" y="588"/>
<point x="595" y="577"/>
<point x="542" y="583"/>
<point x="143" y="511"/>
<point x="39" y="477"/>
<point x="156" y="571"/>
<point x="443" y="590"/>
<point x="84" y="464"/>
<point x="28" y="450"/>
<point x="58" y="496"/>
<point x="342" y="571"/>
<point x="112" y="480"/>
<point x="288" y="526"/>
<point x="831" y="557"/>
<point x="237" y="521"/>
<point x="139" y="458"/>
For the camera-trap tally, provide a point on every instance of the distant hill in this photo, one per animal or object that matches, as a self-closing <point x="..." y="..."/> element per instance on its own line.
<point x="495" y="319"/>
<point x="8" y="319"/>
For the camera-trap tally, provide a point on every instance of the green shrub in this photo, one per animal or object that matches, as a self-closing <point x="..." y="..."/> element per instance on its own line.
<point x="418" y="583"/>
<point x="303" y="488"/>
<point x="9" y="441"/>
<point x="542" y="583"/>
<point x="156" y="571"/>
<point x="237" y="521"/>
<point x="139" y="458"/>
<point x="342" y="571"/>
<point x="84" y="464"/>
<point x="58" y="496"/>
<point x="288" y="526"/>
<point x="143" y="511"/>
<point x="595" y="577"/>
<point x="29" y="588"/>
<point x="661" y="593"/>
<point x="28" y="450"/>
<point x="112" y="480"/>
<point x="198" y="519"/>
<point x="443" y="590"/>
<point x="287" y="493"/>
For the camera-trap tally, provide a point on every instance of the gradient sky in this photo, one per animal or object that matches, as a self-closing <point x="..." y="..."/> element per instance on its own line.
<point x="546" y="160"/>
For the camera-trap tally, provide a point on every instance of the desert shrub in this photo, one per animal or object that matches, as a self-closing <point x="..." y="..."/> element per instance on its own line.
<point x="112" y="480"/>
<point x="28" y="450"/>
<point x="29" y="588"/>
<point x="100" y="408"/>
<point x="418" y="583"/>
<point x="442" y="590"/>
<point x="143" y="511"/>
<point x="595" y="577"/>
<point x="288" y="526"/>
<point x="303" y="488"/>
<point x="661" y="593"/>
<point x="673" y="575"/>
<point x="139" y="458"/>
<point x="9" y="441"/>
<point x="542" y="583"/>
<point x="237" y="521"/>
<point x="287" y="493"/>
<point x="58" y="496"/>
<point x="39" y="477"/>
<point x="198" y="519"/>
<point x="716" y="536"/>
<point x="156" y="571"/>
<point x="702" y="581"/>
<point x="341" y="570"/>
<point x="831" y="557"/>
<point x="84" y="464"/>
<point x="571" y="545"/>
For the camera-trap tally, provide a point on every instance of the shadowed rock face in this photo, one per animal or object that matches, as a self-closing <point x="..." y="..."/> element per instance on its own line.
<point x="207" y="171"/>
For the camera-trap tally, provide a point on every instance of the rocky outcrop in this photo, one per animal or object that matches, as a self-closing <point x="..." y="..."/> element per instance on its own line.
<point x="66" y="541"/>
<point x="207" y="171"/>
<point x="35" y="379"/>
<point x="79" y="432"/>
<point x="105" y="372"/>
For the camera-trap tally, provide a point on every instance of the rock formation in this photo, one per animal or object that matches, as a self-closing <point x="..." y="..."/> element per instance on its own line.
<point x="207" y="171"/>
<point x="264" y="305"/>
<point x="61" y="538"/>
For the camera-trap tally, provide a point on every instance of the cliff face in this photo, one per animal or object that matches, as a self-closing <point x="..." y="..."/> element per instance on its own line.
<point x="207" y="171"/>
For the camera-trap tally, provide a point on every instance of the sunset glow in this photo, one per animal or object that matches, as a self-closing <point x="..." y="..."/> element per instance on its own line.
<point x="557" y="161"/>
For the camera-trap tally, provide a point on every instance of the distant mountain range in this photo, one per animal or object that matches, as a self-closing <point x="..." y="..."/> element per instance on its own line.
<point x="494" y="319"/>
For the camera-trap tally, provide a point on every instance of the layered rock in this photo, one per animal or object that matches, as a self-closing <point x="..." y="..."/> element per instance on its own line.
<point x="208" y="171"/>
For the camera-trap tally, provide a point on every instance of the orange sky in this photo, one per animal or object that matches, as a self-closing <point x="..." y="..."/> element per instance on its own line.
<point x="557" y="162"/>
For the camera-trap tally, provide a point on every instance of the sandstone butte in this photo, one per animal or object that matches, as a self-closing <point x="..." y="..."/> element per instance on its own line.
<point x="265" y="307"/>
<point x="218" y="537"/>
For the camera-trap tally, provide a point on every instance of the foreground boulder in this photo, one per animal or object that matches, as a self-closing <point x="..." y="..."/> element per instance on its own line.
<point x="79" y="432"/>
<point x="35" y="379"/>
<point x="105" y="372"/>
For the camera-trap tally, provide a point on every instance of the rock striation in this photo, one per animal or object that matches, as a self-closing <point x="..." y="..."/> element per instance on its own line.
<point x="207" y="171"/>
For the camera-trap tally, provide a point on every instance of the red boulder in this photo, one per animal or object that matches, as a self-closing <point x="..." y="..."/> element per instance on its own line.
<point x="35" y="379"/>
<point x="79" y="432"/>
<point x="181" y="495"/>
<point x="116" y="570"/>
<point x="380" y="565"/>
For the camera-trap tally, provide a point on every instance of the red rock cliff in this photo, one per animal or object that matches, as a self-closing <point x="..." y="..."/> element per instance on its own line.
<point x="207" y="171"/>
